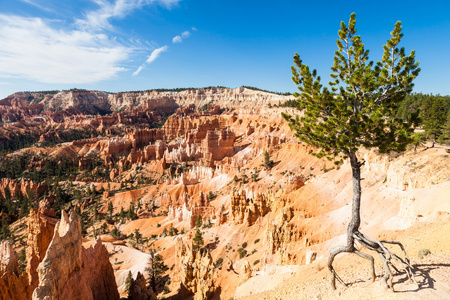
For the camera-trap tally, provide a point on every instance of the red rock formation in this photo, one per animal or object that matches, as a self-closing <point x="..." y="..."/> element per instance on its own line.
<point x="281" y="233"/>
<point x="69" y="271"/>
<point x="186" y="209"/>
<point x="218" y="144"/>
<point x="139" y="289"/>
<point x="196" y="272"/>
<point x="247" y="210"/>
<point x="40" y="234"/>
<point x="15" y="109"/>
<point x="23" y="187"/>
<point x="12" y="286"/>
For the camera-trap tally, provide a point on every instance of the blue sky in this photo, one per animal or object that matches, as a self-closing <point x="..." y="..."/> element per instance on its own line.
<point x="123" y="45"/>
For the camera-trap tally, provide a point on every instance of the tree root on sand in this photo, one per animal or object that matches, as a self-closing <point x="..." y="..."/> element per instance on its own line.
<point x="384" y="253"/>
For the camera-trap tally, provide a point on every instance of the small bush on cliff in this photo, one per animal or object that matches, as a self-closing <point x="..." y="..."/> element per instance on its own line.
<point x="242" y="252"/>
<point x="211" y="195"/>
<point x="423" y="252"/>
<point x="172" y="230"/>
<point x="219" y="263"/>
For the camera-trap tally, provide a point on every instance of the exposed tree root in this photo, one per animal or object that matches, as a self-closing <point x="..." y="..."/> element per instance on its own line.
<point x="384" y="253"/>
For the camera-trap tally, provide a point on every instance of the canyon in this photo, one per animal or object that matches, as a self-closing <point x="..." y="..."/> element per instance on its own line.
<point x="114" y="179"/>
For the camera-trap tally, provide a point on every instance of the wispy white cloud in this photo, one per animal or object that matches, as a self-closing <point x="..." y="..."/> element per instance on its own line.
<point x="154" y="55"/>
<point x="135" y="73"/>
<point x="35" y="4"/>
<point x="179" y="38"/>
<point x="100" y="18"/>
<point x="52" y="51"/>
<point x="33" y="50"/>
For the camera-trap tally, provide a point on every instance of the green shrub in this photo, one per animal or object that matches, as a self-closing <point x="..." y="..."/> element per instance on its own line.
<point x="423" y="252"/>
<point x="219" y="262"/>
<point x="242" y="253"/>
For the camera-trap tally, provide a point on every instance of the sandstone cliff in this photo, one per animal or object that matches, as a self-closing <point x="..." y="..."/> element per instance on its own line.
<point x="68" y="271"/>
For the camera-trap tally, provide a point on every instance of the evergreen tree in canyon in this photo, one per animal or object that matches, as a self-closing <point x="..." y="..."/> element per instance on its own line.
<point x="358" y="110"/>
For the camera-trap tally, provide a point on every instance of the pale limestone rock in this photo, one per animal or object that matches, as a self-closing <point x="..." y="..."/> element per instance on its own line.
<point x="245" y="273"/>
<point x="310" y="256"/>
<point x="8" y="257"/>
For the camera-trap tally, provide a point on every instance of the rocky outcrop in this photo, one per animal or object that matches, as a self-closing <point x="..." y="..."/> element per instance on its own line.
<point x="139" y="289"/>
<point x="21" y="286"/>
<point x="95" y="279"/>
<point x="280" y="233"/>
<point x="14" y="187"/>
<point x="246" y="210"/>
<point x="45" y="207"/>
<point x="63" y="257"/>
<point x="40" y="234"/>
<point x="189" y="209"/>
<point x="295" y="182"/>
<point x="163" y="102"/>
<point x="69" y="271"/>
<point x="245" y="273"/>
<point x="218" y="144"/>
<point x="86" y="101"/>
<point x="8" y="258"/>
<point x="12" y="286"/>
<point x="196" y="271"/>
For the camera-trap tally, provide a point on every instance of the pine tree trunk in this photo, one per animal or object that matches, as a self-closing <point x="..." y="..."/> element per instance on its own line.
<point x="353" y="234"/>
<point x="356" y="201"/>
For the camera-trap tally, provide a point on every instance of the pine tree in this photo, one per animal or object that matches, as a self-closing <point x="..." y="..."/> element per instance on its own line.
<point x="128" y="283"/>
<point x="137" y="236"/>
<point x="434" y="116"/>
<point x="267" y="161"/>
<point x="110" y="209"/>
<point x="122" y="214"/>
<point x="198" y="222"/>
<point x="156" y="268"/>
<point x="5" y="232"/>
<point x="358" y="110"/>
<point x="197" y="241"/>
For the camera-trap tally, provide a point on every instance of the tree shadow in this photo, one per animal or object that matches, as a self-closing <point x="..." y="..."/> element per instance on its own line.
<point x="211" y="246"/>
<point x="422" y="275"/>
<point x="183" y="294"/>
<point x="240" y="147"/>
